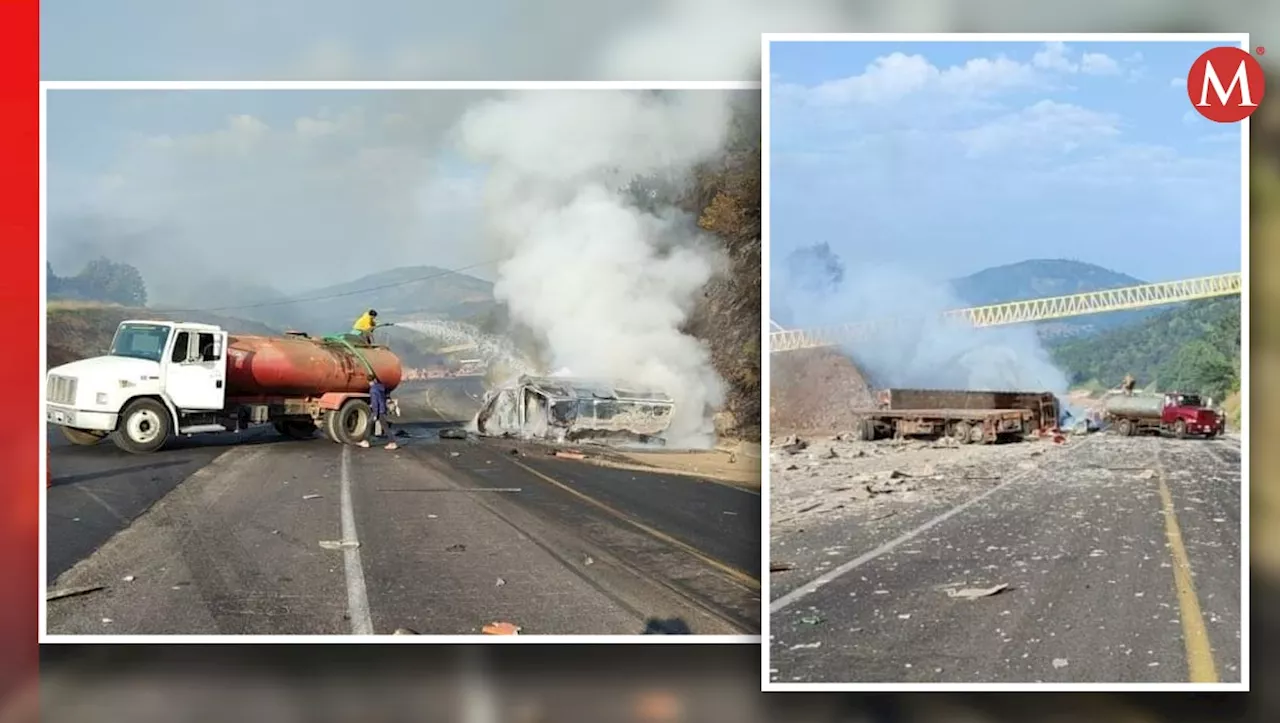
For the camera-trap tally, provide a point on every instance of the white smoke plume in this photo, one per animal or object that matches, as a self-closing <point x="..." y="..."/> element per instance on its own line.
<point x="917" y="348"/>
<point x="606" y="284"/>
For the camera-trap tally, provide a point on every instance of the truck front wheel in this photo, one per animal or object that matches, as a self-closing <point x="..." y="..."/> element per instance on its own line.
<point x="144" y="427"/>
<point x="1180" y="429"/>
<point x="82" y="437"/>
<point x="1125" y="427"/>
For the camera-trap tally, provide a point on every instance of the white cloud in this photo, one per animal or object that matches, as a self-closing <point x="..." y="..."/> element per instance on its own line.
<point x="1178" y="83"/>
<point x="1054" y="57"/>
<point x="1099" y="64"/>
<point x="1046" y="126"/>
<point x="893" y="77"/>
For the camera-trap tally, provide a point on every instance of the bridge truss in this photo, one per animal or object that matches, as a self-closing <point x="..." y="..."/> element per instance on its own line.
<point x="1021" y="312"/>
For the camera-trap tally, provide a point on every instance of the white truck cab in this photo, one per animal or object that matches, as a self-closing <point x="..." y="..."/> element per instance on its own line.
<point x="156" y="376"/>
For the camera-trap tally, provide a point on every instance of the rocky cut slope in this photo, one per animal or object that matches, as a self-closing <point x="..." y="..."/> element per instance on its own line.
<point x="725" y="197"/>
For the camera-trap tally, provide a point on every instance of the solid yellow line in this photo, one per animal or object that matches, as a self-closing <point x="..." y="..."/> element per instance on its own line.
<point x="733" y="572"/>
<point x="1194" y="635"/>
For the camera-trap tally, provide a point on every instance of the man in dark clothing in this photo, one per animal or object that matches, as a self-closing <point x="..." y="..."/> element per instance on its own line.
<point x="380" y="402"/>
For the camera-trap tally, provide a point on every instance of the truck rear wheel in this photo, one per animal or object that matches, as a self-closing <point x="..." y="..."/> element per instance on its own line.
<point x="296" y="428"/>
<point x="351" y="423"/>
<point x="83" y="437"/>
<point x="144" y="427"/>
<point x="1125" y="428"/>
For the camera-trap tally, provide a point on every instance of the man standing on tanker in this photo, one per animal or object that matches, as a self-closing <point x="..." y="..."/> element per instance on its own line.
<point x="381" y="404"/>
<point x="365" y="325"/>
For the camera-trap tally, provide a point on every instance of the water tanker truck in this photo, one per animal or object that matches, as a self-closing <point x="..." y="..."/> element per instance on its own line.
<point x="1178" y="414"/>
<point x="163" y="378"/>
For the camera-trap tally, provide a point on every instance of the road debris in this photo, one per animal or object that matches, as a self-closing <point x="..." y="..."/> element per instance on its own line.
<point x="781" y="567"/>
<point x="811" y="620"/>
<point x="1146" y="474"/>
<point x="456" y="548"/>
<point x="1060" y="662"/>
<point x="570" y="455"/>
<point x="312" y="497"/>
<point x="500" y="583"/>
<point x="339" y="544"/>
<point x="72" y="592"/>
<point x="500" y="628"/>
<point x="973" y="593"/>
<point x="128" y="578"/>
<point x="453" y="433"/>
<point x="404" y="631"/>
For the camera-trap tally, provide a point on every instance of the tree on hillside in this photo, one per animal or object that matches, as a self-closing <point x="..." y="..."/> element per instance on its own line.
<point x="100" y="280"/>
<point x="110" y="281"/>
<point x="1193" y="348"/>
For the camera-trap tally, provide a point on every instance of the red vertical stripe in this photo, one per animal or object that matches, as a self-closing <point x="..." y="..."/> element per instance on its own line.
<point x="20" y="342"/>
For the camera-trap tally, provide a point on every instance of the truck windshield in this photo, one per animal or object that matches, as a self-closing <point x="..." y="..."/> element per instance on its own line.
<point x="140" y="341"/>
<point x="1189" y="400"/>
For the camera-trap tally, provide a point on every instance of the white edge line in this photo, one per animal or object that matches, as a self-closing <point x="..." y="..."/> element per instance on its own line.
<point x="1245" y="432"/>
<point x="43" y="466"/>
<point x="357" y="593"/>
<point x="399" y="639"/>
<point x="1005" y="687"/>
<point x="45" y="638"/>
<point x="1002" y="38"/>
<point x="373" y="85"/>
<point x="766" y="314"/>
<point x="803" y="591"/>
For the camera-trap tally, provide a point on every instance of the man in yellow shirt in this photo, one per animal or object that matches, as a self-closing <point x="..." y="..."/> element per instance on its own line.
<point x="365" y="325"/>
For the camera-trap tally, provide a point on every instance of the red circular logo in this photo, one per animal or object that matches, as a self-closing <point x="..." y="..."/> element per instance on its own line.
<point x="1225" y="84"/>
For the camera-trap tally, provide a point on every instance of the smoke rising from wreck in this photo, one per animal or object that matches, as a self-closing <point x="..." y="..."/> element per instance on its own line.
<point x="917" y="348"/>
<point x="605" y="283"/>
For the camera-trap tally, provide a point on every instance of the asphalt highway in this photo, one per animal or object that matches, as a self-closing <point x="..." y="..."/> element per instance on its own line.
<point x="1120" y="557"/>
<point x="263" y="535"/>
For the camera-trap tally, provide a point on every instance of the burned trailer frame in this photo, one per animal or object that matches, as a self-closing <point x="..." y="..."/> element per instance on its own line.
<point x="1046" y="410"/>
<point x="966" y="426"/>
<point x="567" y="409"/>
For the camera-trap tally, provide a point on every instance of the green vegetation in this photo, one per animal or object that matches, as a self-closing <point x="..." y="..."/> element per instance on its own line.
<point x="1194" y="347"/>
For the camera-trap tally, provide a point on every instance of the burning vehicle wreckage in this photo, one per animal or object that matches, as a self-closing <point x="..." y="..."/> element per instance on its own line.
<point x="569" y="409"/>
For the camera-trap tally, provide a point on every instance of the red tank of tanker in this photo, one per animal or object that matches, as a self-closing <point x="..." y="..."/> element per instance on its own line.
<point x="298" y="366"/>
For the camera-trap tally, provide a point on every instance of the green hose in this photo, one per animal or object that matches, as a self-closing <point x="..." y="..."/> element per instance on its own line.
<point x="342" y="340"/>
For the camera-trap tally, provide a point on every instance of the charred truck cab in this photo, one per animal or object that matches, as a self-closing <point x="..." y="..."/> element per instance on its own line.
<point x="162" y="378"/>
<point x="565" y="409"/>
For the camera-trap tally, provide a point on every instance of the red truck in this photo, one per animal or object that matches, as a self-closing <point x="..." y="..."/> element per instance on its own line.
<point x="1173" y="413"/>
<point x="165" y="378"/>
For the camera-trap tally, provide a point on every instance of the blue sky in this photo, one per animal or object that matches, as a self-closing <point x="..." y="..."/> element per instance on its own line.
<point x="951" y="157"/>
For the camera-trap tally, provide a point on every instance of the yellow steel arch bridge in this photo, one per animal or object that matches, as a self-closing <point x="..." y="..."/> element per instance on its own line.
<point x="1021" y="312"/>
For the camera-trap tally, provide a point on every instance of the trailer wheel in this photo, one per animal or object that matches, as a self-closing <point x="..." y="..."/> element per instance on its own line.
<point x="1180" y="429"/>
<point x="295" y="428"/>
<point x="1125" y="427"/>
<point x="83" y="437"/>
<point x="977" y="434"/>
<point x="351" y="423"/>
<point x="962" y="432"/>
<point x="867" y="430"/>
<point x="144" y="427"/>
